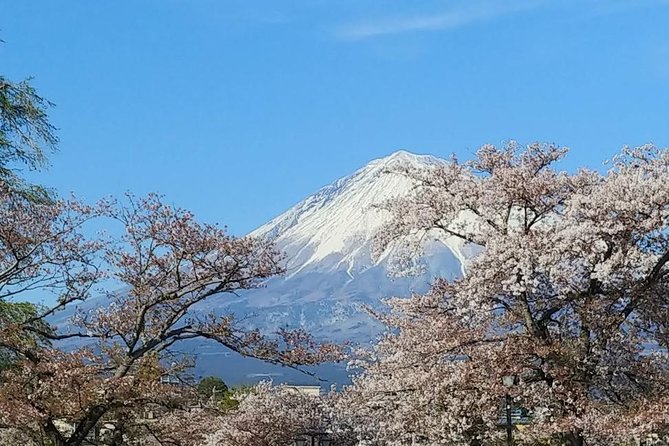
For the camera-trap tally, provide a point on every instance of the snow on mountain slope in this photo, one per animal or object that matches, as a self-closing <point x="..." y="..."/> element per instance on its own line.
<point x="327" y="239"/>
<point x="333" y="228"/>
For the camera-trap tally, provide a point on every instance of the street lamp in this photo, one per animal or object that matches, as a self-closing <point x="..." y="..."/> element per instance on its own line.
<point x="508" y="382"/>
<point x="300" y="442"/>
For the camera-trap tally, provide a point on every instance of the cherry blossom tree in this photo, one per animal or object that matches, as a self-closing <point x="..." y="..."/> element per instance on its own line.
<point x="275" y="416"/>
<point x="568" y="295"/>
<point x="161" y="265"/>
<point x="163" y="262"/>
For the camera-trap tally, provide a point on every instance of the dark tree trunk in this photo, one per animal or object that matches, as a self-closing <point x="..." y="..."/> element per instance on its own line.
<point x="53" y="434"/>
<point x="574" y="439"/>
<point x="86" y="426"/>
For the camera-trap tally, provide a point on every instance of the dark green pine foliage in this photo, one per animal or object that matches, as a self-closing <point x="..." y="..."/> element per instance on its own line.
<point x="25" y="314"/>
<point x="26" y="136"/>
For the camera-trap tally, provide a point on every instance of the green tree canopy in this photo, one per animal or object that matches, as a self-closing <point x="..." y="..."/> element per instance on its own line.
<point x="212" y="387"/>
<point x="26" y="135"/>
<point x="19" y="313"/>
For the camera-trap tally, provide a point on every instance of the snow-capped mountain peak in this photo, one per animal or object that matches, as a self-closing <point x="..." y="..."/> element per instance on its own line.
<point x="405" y="157"/>
<point x="333" y="228"/>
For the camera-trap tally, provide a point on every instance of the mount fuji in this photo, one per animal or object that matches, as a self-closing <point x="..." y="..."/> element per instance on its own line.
<point x="330" y="274"/>
<point x="327" y="239"/>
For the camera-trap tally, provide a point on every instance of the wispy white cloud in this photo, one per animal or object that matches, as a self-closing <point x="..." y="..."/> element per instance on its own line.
<point x="457" y="17"/>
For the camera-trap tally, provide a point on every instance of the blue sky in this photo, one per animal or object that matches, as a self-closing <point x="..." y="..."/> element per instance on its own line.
<point x="237" y="109"/>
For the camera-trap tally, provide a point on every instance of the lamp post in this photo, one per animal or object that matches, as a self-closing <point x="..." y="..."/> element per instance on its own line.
<point x="508" y="382"/>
